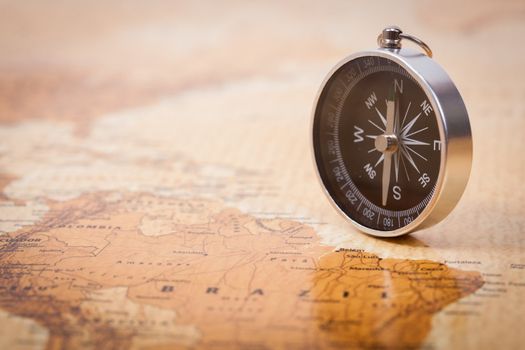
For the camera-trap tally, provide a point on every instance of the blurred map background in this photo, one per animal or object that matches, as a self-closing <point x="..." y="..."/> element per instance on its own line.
<point x="157" y="186"/>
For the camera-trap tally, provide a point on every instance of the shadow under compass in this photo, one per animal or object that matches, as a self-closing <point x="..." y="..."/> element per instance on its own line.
<point x="406" y="240"/>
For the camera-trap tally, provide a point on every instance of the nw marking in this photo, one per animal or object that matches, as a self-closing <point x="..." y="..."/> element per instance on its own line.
<point x="371" y="100"/>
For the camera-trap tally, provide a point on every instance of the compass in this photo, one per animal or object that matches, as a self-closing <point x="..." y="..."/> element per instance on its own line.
<point x="391" y="138"/>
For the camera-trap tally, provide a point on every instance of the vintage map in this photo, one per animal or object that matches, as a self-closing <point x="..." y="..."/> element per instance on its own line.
<point x="157" y="189"/>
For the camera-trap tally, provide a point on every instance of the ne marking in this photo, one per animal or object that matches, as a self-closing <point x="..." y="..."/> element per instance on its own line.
<point x="427" y="108"/>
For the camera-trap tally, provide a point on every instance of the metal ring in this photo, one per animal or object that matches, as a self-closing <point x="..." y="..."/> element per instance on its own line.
<point x="417" y="41"/>
<point x="380" y="40"/>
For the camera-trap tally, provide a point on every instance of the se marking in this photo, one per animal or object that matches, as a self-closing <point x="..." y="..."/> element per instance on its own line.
<point x="424" y="180"/>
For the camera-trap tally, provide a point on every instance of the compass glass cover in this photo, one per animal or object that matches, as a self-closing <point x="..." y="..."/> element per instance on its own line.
<point x="365" y="103"/>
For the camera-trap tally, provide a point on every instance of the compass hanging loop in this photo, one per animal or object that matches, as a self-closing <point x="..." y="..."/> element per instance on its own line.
<point x="391" y="38"/>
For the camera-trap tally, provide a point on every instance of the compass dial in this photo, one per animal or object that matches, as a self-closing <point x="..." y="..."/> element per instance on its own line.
<point x="377" y="143"/>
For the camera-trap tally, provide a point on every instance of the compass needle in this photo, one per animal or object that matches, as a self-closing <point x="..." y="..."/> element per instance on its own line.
<point x="396" y="165"/>
<point x="386" y="177"/>
<point x="387" y="161"/>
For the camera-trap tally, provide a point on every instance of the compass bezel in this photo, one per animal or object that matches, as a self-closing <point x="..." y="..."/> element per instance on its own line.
<point x="454" y="131"/>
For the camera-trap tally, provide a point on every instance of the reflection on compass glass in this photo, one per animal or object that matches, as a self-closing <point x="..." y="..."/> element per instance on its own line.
<point x="377" y="143"/>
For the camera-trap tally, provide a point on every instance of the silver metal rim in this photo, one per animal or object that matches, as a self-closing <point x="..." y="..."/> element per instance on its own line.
<point x="454" y="130"/>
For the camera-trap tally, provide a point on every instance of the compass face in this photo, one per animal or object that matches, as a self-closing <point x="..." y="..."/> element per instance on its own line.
<point x="377" y="143"/>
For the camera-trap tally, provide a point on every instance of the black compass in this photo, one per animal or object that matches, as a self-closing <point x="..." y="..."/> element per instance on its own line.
<point x="381" y="137"/>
